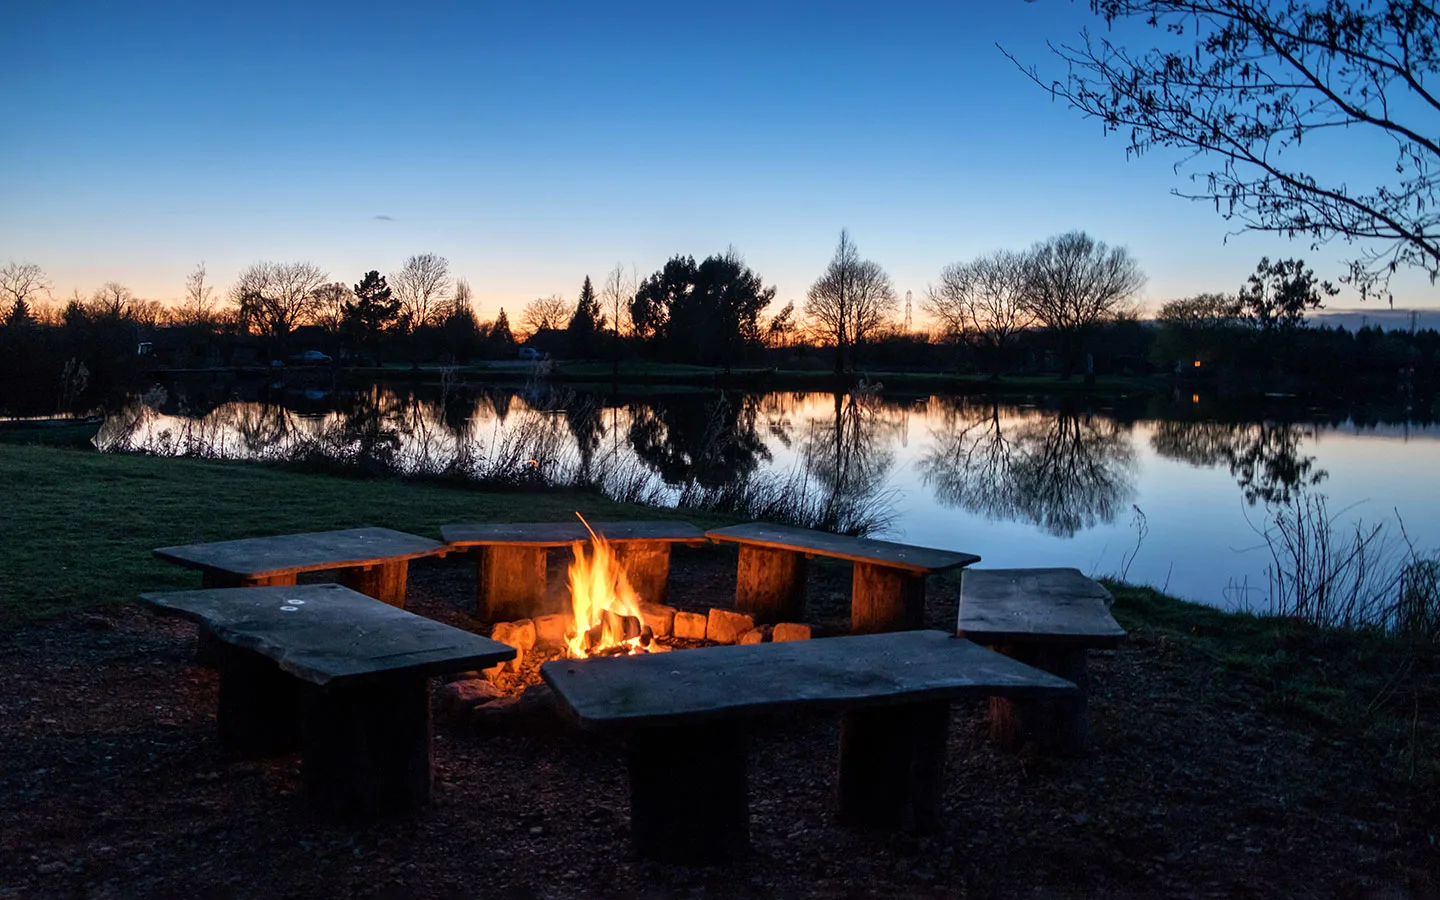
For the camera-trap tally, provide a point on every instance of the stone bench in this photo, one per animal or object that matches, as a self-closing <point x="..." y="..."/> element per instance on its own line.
<point x="511" y="572"/>
<point x="373" y="561"/>
<point x="336" y="673"/>
<point x="685" y="717"/>
<point x="1046" y="618"/>
<point x="888" y="586"/>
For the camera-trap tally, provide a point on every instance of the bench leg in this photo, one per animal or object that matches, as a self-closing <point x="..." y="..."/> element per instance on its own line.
<point x="688" y="793"/>
<point x="770" y="584"/>
<point x="384" y="582"/>
<point x="892" y="764"/>
<point x="259" y="706"/>
<point x="367" y="748"/>
<point x="209" y="651"/>
<point x="512" y="583"/>
<point x="1058" y="725"/>
<point x="883" y="598"/>
<point x="647" y="566"/>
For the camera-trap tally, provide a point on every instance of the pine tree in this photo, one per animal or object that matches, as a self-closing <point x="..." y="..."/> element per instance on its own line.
<point x="373" y="310"/>
<point x="20" y="316"/>
<point x="586" y="324"/>
<point x="502" y="339"/>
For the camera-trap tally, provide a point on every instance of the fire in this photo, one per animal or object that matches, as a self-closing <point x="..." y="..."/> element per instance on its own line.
<point x="606" y="608"/>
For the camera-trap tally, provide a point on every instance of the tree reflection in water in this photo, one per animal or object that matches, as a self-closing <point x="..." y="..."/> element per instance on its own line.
<point x="1062" y="470"/>
<point x="1263" y="457"/>
<point x="713" y="445"/>
<point x="849" y="457"/>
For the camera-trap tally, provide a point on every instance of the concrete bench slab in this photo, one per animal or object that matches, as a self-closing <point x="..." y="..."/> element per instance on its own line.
<point x="888" y="585"/>
<point x="373" y="561"/>
<point x="688" y="711"/>
<point x="1047" y="618"/>
<point x="339" y="674"/>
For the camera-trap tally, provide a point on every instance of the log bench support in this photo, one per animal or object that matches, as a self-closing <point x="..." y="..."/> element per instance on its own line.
<point x="885" y="598"/>
<point x="892" y="763"/>
<point x="259" y="707"/>
<point x="770" y="584"/>
<point x="385" y="581"/>
<point x="367" y="747"/>
<point x="1058" y="725"/>
<point x="689" y="801"/>
<point x="647" y="565"/>
<point x="512" y="582"/>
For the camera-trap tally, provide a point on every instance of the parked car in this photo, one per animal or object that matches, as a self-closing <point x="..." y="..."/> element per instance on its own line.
<point x="310" y="358"/>
<point x="530" y="353"/>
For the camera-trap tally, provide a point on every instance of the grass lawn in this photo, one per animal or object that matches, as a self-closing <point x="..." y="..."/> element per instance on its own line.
<point x="79" y="526"/>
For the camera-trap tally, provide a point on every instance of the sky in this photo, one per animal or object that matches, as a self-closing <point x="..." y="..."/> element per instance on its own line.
<point x="534" y="143"/>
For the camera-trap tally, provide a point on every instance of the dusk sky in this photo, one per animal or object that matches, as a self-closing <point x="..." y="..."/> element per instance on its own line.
<point x="535" y="143"/>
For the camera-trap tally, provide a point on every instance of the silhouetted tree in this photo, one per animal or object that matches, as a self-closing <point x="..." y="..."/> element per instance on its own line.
<point x="983" y="301"/>
<point x="373" y="310"/>
<point x="330" y="302"/>
<point x="501" y="338"/>
<point x="21" y="281"/>
<point x="849" y="303"/>
<point x="20" y="316"/>
<point x="1245" y="83"/>
<point x="650" y="308"/>
<point x="1072" y="282"/>
<point x="545" y="314"/>
<point x="276" y="297"/>
<point x="198" y="308"/>
<point x="1279" y="294"/>
<point x="780" y="331"/>
<point x="586" y="323"/>
<point x="421" y="286"/>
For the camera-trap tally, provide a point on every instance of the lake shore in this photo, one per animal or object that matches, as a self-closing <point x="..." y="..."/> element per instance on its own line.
<point x="1231" y="755"/>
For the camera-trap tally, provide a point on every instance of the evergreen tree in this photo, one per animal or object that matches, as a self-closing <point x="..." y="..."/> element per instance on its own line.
<point x="20" y="316"/>
<point x="502" y="339"/>
<point x="373" y="310"/>
<point x="586" y="323"/>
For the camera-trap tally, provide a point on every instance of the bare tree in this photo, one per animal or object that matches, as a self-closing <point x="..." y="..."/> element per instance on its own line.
<point x="616" y="293"/>
<point x="1073" y="282"/>
<point x="149" y="313"/>
<point x="849" y="302"/>
<point x="330" y="301"/>
<point x="199" y="305"/>
<point x="21" y="283"/>
<point x="276" y="297"/>
<point x="112" y="299"/>
<point x="1246" y="83"/>
<point x="544" y="313"/>
<point x="421" y="286"/>
<point x="983" y="300"/>
<point x="462" y="301"/>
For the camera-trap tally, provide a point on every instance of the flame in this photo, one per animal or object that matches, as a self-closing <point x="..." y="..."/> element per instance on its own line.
<point x="602" y="601"/>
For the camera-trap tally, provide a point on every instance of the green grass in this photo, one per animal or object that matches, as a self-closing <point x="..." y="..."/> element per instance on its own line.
<point x="1365" y="686"/>
<point x="78" y="527"/>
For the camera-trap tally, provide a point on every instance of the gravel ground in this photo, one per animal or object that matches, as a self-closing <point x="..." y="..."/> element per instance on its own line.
<point x="112" y="785"/>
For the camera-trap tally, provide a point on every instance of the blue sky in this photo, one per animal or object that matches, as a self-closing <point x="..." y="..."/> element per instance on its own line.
<point x="535" y="143"/>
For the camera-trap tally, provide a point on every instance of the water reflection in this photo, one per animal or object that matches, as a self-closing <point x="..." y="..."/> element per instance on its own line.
<point x="1264" y="457"/>
<point x="848" y="457"/>
<point x="712" y="443"/>
<point x="1059" y="469"/>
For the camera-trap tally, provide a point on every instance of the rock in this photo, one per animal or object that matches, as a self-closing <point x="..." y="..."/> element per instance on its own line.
<point x="463" y="676"/>
<point x="753" y="636"/>
<point x="462" y="696"/>
<point x="689" y="626"/>
<point x="495" y="713"/>
<point x="519" y="634"/>
<point x="494" y="671"/>
<point x="725" y="627"/>
<point x="790" y="631"/>
<point x="550" y="630"/>
<point x="537" y="708"/>
<point x="659" y="617"/>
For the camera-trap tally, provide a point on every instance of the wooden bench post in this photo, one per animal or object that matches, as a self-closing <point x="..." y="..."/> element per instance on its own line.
<point x="259" y="708"/>
<point x="688" y="792"/>
<point x="512" y="582"/>
<point x="770" y="584"/>
<point x="367" y="747"/>
<point x="892" y="762"/>
<point x="1059" y="725"/>
<point x="647" y="565"/>
<point x="884" y="598"/>
<point x="385" y="581"/>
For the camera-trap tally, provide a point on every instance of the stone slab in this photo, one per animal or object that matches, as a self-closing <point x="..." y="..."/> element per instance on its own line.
<point x="832" y="673"/>
<point x="999" y="606"/>
<point x="562" y="534"/>
<point x="329" y="635"/>
<point x="283" y="554"/>
<point x="822" y="543"/>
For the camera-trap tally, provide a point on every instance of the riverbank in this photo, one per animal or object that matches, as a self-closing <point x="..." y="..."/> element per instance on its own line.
<point x="1231" y="756"/>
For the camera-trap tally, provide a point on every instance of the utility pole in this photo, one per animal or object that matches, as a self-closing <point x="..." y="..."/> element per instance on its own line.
<point x="907" y="312"/>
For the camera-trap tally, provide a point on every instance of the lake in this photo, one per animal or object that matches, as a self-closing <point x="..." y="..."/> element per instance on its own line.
<point x="1173" y="491"/>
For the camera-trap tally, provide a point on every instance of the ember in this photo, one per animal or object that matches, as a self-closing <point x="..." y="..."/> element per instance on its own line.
<point x="606" y="608"/>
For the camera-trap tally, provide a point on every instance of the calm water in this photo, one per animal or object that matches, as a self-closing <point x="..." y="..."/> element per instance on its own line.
<point x="1022" y="484"/>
